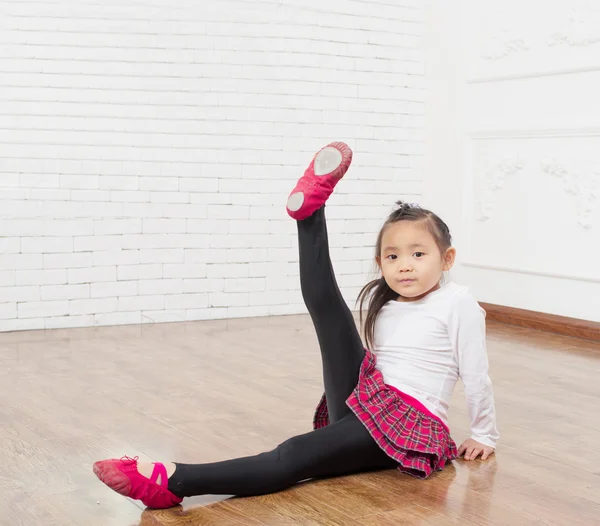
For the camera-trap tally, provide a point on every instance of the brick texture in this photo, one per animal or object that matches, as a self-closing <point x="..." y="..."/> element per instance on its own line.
<point x="148" y="148"/>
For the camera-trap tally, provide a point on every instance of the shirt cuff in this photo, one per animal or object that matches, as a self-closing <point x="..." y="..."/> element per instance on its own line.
<point x="486" y="441"/>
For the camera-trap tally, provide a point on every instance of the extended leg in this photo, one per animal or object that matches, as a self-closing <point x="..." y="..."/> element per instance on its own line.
<point x="341" y="448"/>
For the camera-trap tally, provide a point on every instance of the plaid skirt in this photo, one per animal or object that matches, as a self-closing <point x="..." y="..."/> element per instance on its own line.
<point x="400" y="425"/>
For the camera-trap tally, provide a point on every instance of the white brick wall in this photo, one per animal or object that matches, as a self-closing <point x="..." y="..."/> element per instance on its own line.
<point x="147" y="150"/>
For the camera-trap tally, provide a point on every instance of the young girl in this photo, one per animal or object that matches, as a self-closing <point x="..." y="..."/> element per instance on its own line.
<point x="383" y="407"/>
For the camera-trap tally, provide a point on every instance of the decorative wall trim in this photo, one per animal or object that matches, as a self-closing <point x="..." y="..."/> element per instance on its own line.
<point x="588" y="330"/>
<point x="576" y="183"/>
<point x="579" y="28"/>
<point x="572" y="26"/>
<point x="494" y="180"/>
<point x="589" y="279"/>
<point x="534" y="74"/>
<point x="534" y="133"/>
<point x="579" y="177"/>
<point x="503" y="46"/>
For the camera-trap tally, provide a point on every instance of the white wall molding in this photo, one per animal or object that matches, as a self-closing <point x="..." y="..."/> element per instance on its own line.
<point x="582" y="183"/>
<point x="580" y="176"/>
<point x="514" y="119"/>
<point x="531" y="272"/>
<point x="538" y="133"/>
<point x="506" y="43"/>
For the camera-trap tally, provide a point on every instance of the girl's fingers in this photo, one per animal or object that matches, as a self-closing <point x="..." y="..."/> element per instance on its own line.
<point x="486" y="454"/>
<point x="476" y="452"/>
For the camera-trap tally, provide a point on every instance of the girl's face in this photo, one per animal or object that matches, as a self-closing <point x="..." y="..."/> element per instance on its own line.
<point x="410" y="260"/>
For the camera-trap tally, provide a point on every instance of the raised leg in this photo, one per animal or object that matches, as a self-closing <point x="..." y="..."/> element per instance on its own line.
<point x="342" y="350"/>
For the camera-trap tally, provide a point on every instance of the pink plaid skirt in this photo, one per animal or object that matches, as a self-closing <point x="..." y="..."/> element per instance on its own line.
<point x="401" y="426"/>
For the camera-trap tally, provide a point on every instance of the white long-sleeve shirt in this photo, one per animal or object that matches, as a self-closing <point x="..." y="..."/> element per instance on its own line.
<point x="424" y="346"/>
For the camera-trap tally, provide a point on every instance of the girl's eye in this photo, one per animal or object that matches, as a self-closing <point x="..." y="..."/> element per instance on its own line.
<point x="392" y="256"/>
<point x="419" y="254"/>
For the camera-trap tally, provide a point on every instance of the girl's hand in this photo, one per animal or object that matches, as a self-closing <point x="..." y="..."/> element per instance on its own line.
<point x="472" y="449"/>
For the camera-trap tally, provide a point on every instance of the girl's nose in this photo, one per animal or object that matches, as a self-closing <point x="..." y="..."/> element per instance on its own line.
<point x="404" y="266"/>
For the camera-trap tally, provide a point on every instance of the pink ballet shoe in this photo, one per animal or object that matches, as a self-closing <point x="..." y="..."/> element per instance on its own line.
<point x="314" y="188"/>
<point x="123" y="477"/>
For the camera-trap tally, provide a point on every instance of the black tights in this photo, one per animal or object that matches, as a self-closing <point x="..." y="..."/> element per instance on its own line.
<point x="341" y="448"/>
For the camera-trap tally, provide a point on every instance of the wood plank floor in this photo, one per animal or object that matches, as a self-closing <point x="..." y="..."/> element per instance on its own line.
<point x="207" y="391"/>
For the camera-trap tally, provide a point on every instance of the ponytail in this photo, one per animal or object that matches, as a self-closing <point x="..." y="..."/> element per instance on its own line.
<point x="378" y="293"/>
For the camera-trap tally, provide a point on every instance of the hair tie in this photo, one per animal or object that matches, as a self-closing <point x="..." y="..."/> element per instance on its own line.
<point x="402" y="206"/>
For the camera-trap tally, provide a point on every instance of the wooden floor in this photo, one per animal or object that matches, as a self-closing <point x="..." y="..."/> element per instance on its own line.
<point x="207" y="391"/>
